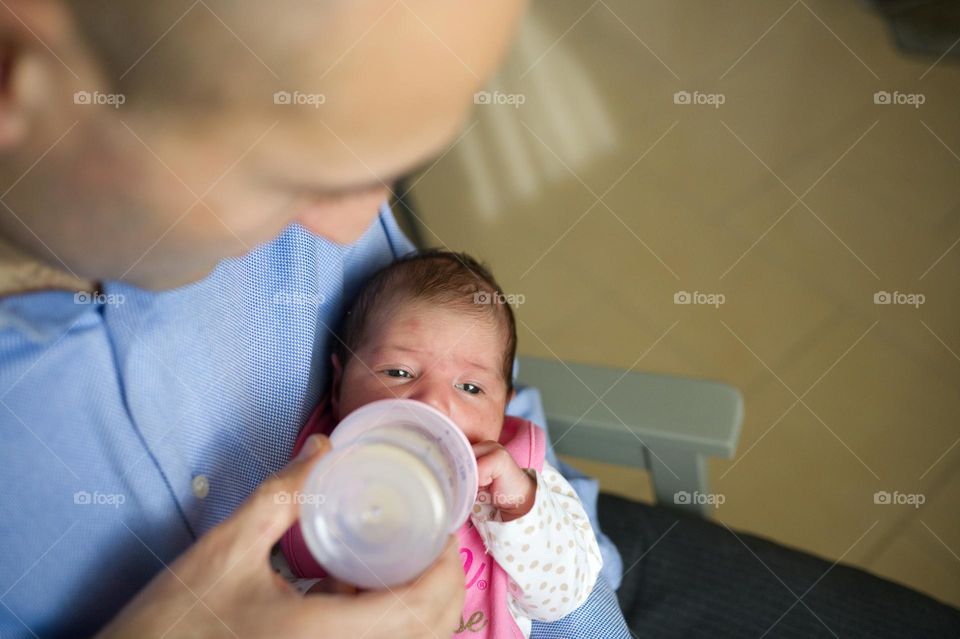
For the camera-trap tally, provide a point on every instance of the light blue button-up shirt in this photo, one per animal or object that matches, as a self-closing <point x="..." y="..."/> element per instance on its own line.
<point x="133" y="422"/>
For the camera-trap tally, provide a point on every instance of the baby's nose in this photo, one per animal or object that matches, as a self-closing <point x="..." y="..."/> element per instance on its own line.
<point x="435" y="397"/>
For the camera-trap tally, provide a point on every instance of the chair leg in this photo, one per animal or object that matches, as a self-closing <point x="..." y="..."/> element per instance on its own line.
<point x="680" y="480"/>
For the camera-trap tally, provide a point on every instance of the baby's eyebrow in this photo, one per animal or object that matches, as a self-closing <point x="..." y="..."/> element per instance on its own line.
<point x="396" y="347"/>
<point x="485" y="369"/>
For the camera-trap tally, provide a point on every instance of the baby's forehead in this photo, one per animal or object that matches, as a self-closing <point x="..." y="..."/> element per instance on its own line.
<point x="409" y="312"/>
<point x="409" y="318"/>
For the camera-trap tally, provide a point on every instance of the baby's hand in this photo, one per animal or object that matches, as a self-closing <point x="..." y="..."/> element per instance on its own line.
<point x="511" y="488"/>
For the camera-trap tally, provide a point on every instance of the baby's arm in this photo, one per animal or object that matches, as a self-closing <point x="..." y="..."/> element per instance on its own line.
<point x="550" y="554"/>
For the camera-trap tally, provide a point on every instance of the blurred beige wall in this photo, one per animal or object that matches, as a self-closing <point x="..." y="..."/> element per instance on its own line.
<point x="598" y="192"/>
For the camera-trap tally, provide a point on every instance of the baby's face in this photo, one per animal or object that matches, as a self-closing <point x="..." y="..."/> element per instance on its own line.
<point x="448" y="359"/>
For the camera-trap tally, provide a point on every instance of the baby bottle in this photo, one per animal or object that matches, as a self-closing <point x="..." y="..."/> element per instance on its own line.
<point x="378" y="508"/>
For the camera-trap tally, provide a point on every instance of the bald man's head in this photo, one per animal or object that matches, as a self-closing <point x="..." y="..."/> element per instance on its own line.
<point x="206" y="53"/>
<point x="152" y="51"/>
<point x="228" y="119"/>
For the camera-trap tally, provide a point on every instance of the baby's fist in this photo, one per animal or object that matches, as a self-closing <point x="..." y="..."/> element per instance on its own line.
<point x="512" y="488"/>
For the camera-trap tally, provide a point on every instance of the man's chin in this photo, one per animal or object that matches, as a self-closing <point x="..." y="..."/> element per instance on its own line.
<point x="160" y="281"/>
<point x="343" y="221"/>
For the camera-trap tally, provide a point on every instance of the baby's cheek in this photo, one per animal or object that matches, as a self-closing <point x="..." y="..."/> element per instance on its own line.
<point x="355" y="393"/>
<point x="495" y="424"/>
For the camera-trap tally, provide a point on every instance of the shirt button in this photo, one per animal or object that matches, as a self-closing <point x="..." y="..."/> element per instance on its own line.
<point x="201" y="486"/>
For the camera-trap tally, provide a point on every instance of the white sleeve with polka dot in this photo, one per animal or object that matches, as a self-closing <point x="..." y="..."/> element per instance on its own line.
<point x="551" y="553"/>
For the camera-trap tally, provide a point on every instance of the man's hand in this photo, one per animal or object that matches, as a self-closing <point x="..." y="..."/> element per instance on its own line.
<point x="510" y="488"/>
<point x="223" y="585"/>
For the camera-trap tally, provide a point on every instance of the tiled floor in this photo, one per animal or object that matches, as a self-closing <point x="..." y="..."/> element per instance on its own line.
<point x="798" y="198"/>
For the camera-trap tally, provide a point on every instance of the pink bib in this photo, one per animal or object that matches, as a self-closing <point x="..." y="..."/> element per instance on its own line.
<point x="485" y="612"/>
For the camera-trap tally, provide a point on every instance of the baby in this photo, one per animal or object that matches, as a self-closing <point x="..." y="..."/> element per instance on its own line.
<point x="434" y="327"/>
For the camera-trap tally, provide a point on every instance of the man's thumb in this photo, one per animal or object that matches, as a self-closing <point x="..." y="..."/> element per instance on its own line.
<point x="275" y="505"/>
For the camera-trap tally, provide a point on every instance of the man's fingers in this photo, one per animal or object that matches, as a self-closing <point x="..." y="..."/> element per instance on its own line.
<point x="332" y="586"/>
<point x="260" y="521"/>
<point x="429" y="605"/>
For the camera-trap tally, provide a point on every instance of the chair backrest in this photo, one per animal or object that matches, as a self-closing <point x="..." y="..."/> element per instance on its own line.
<point x="663" y="423"/>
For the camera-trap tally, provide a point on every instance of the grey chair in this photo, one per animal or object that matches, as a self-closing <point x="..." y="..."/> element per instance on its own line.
<point x="665" y="424"/>
<point x="685" y="576"/>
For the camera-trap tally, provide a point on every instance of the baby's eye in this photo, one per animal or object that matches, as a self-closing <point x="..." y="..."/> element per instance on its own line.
<point x="400" y="372"/>
<point x="473" y="389"/>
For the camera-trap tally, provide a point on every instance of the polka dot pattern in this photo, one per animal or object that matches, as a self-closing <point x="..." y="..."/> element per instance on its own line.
<point x="550" y="554"/>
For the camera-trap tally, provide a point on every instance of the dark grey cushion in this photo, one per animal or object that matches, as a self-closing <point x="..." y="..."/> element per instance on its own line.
<point x="689" y="577"/>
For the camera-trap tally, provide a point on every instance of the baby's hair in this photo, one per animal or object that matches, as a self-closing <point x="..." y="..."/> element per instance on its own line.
<point x="446" y="278"/>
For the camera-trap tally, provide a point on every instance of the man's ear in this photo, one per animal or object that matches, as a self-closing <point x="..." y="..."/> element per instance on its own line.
<point x="511" y="395"/>
<point x="335" y="385"/>
<point x="13" y="111"/>
<point x="38" y="66"/>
